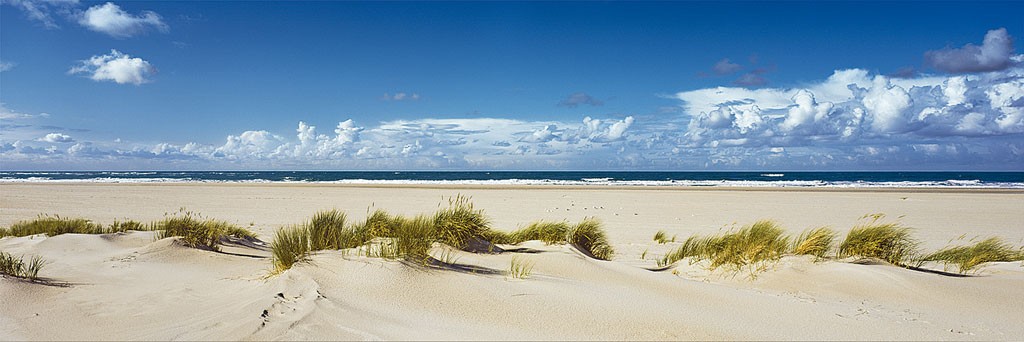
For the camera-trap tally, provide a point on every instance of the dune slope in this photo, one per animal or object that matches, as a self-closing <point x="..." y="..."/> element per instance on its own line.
<point x="131" y="286"/>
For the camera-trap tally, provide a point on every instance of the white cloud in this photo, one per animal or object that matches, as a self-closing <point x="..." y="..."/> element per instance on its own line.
<point x="42" y="10"/>
<point x="111" y="19"/>
<point x="955" y="90"/>
<point x="57" y="138"/>
<point x="117" y="67"/>
<point x="805" y="112"/>
<point x="1008" y="99"/>
<point x="853" y="107"/>
<point x="614" y="132"/>
<point x="544" y="134"/>
<point x="888" y="106"/>
<point x="5" y="66"/>
<point x="423" y="143"/>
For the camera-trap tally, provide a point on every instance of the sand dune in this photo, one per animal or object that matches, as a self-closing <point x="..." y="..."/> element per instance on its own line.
<point x="132" y="286"/>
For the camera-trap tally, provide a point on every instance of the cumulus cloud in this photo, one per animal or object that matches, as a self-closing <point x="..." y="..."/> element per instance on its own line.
<point x="888" y="105"/>
<point x="725" y="67"/>
<point x="57" y="138"/>
<point x="110" y="19"/>
<point x="117" y="67"/>
<point x="412" y="144"/>
<point x="804" y="112"/>
<point x="854" y="108"/>
<point x="576" y="99"/>
<point x="42" y="10"/>
<point x="607" y="130"/>
<point x="544" y="134"/>
<point x="994" y="54"/>
<point x="400" y="96"/>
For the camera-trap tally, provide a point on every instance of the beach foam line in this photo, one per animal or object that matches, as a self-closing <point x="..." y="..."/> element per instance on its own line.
<point x="952" y="183"/>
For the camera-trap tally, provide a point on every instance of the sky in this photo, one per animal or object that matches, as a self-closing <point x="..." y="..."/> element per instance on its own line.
<point x="322" y="85"/>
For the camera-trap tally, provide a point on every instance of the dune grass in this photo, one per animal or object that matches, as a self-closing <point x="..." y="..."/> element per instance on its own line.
<point x="968" y="258"/>
<point x="520" y="268"/>
<point x="126" y="225"/>
<point x="291" y="245"/>
<point x="549" y="232"/>
<point x="18" y="267"/>
<point x="692" y="247"/>
<point x="816" y="242"/>
<point x="662" y="238"/>
<point x="378" y="224"/>
<point x="753" y="246"/>
<point x="412" y="239"/>
<point x="327" y="230"/>
<point x="589" y="237"/>
<point x="197" y="232"/>
<point x="55" y="225"/>
<point x="890" y="242"/>
<point x="460" y="223"/>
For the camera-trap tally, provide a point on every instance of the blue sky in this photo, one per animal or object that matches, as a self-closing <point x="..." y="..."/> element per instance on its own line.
<point x="545" y="86"/>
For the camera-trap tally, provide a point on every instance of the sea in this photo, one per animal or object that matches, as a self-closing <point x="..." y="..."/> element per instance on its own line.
<point x="985" y="180"/>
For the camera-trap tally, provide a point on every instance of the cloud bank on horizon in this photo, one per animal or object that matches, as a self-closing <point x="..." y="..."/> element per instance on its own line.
<point x="969" y="115"/>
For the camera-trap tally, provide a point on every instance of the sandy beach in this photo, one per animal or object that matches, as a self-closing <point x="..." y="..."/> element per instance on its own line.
<point x="133" y="286"/>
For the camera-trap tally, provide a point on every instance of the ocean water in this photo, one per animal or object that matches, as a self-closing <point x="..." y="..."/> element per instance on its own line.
<point x="1012" y="180"/>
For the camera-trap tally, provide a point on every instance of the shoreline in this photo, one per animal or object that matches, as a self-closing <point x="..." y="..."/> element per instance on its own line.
<point x="879" y="189"/>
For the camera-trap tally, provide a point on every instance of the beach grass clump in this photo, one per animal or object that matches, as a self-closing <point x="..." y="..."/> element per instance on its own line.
<point x="18" y="267"/>
<point x="291" y="245"/>
<point x="124" y="226"/>
<point x="197" y="232"/>
<point x="327" y="230"/>
<point x="549" y="232"/>
<point x="520" y="268"/>
<point x="816" y="242"/>
<point x="662" y="238"/>
<point x="588" y="236"/>
<point x="460" y="223"/>
<point x="411" y="240"/>
<point x="891" y="242"/>
<point x="378" y="224"/>
<point x="691" y="248"/>
<point x="55" y="225"/>
<point x="754" y="245"/>
<point x="967" y="258"/>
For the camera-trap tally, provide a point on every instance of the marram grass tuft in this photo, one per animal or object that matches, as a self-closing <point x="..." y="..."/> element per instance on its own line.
<point x="967" y="258"/>
<point x="890" y="242"/>
<point x="460" y="223"/>
<point x="816" y="242"/>
<point x="589" y="237"/>
<point x="752" y="246"/>
<point x="197" y="232"/>
<point x="18" y="267"/>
